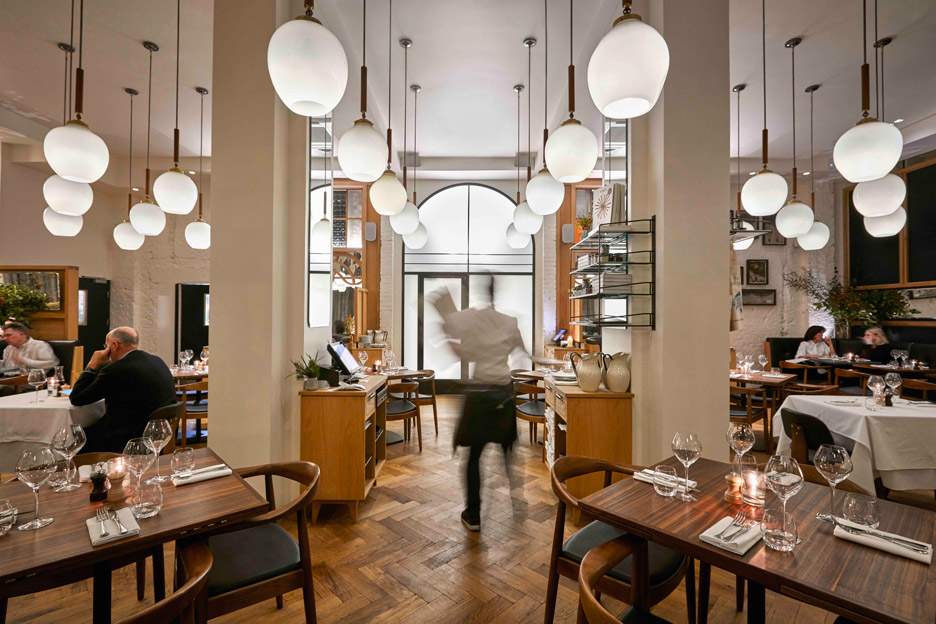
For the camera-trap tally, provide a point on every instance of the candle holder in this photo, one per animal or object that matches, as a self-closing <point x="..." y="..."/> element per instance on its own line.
<point x="116" y="472"/>
<point x="733" y="493"/>
<point x="377" y="366"/>
<point x="754" y="488"/>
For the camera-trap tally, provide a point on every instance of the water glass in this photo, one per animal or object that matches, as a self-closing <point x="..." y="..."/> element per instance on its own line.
<point x="665" y="481"/>
<point x="876" y="383"/>
<point x="785" y="479"/>
<point x="63" y="473"/>
<point x="147" y="500"/>
<point x="68" y="441"/>
<point x="183" y="462"/>
<point x="861" y="509"/>
<point x="762" y="360"/>
<point x="7" y="516"/>
<point x="159" y="433"/>
<point x="740" y="438"/>
<point x="872" y="404"/>
<point x="34" y="468"/>
<point x="893" y="381"/>
<point x="779" y="530"/>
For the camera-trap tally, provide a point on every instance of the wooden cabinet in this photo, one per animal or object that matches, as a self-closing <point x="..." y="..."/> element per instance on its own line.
<point x="372" y="355"/>
<point x="557" y="353"/>
<point x="345" y="434"/>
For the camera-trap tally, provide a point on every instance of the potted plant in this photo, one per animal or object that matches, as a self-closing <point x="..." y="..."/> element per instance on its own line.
<point x="307" y="370"/>
<point x="18" y="302"/>
<point x="584" y="224"/>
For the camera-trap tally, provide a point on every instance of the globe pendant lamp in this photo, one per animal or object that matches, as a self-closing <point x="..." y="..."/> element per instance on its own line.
<point x="796" y="217"/>
<point x="888" y="225"/>
<point x="67" y="197"/>
<point x="320" y="238"/>
<point x="417" y="240"/>
<point x="628" y="68"/>
<point x="60" y="224"/>
<point x="545" y="193"/>
<point x="816" y="238"/>
<point x="525" y="220"/>
<point x="407" y="220"/>
<point x="307" y="65"/>
<point x="516" y="240"/>
<point x="763" y="194"/>
<point x="73" y="151"/>
<point x="198" y="232"/>
<point x="572" y="150"/>
<point x="146" y="217"/>
<point x="880" y="197"/>
<point x="124" y="235"/>
<point x="744" y="243"/>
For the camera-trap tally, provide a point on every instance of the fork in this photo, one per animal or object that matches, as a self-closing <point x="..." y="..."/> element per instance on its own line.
<point x="737" y="521"/>
<point x="101" y="516"/>
<point x="113" y="516"/>
<point x="744" y="527"/>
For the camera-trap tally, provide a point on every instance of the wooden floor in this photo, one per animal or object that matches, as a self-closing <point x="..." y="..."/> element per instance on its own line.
<point x="410" y="560"/>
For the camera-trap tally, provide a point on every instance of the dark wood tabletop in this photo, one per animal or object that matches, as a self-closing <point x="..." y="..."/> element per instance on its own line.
<point x="759" y="378"/>
<point x="403" y="374"/>
<point x="843" y="577"/>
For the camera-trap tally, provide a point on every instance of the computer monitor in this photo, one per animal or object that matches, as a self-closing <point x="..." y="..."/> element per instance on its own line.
<point x="343" y="358"/>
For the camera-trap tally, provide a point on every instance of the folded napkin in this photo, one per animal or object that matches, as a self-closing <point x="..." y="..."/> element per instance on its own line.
<point x="126" y="519"/>
<point x="202" y="476"/>
<point x="883" y="544"/>
<point x="774" y="375"/>
<point x="84" y="473"/>
<point x="646" y="476"/>
<point x="740" y="544"/>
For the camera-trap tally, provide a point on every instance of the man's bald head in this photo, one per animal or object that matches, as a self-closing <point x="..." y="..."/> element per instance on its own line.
<point x="124" y="336"/>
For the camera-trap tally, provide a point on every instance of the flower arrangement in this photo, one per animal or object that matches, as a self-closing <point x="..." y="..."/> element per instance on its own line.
<point x="584" y="223"/>
<point x="18" y="302"/>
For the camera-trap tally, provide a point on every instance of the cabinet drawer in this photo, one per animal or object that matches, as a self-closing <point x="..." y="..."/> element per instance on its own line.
<point x="550" y="394"/>
<point x="559" y="404"/>
<point x="370" y="403"/>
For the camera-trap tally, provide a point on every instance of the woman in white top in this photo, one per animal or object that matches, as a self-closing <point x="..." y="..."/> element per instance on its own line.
<point x="815" y="344"/>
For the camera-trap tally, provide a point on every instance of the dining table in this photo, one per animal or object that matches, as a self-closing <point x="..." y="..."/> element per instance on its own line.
<point x="25" y="424"/>
<point x="773" y="382"/>
<point x="896" y="444"/>
<point x="65" y="545"/>
<point x="883" y="369"/>
<point x="859" y="582"/>
<point x="180" y="375"/>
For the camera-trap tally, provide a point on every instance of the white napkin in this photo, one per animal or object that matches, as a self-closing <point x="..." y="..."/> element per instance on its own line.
<point x="126" y="519"/>
<point x="882" y="544"/>
<point x="202" y="476"/>
<point x="741" y="542"/>
<point x="646" y="476"/>
<point x="84" y="473"/>
<point x="774" y="375"/>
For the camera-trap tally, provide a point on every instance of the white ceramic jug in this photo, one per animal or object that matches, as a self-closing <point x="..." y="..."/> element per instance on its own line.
<point x="587" y="370"/>
<point x="616" y="371"/>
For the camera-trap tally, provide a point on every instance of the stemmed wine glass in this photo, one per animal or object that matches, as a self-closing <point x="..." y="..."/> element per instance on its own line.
<point x="34" y="468"/>
<point x="893" y="381"/>
<point x="159" y="432"/>
<point x="68" y="441"/>
<point x="36" y="378"/>
<point x="139" y="455"/>
<point x="189" y="354"/>
<point x="834" y="464"/>
<point x="204" y="356"/>
<point x="182" y="360"/>
<point x="762" y="360"/>
<point x="876" y="383"/>
<point x="740" y="437"/>
<point x="687" y="448"/>
<point x="784" y="478"/>
<point x="362" y="357"/>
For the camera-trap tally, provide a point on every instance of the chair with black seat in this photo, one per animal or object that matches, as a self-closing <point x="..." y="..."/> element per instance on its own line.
<point x="195" y="402"/>
<point x="804" y="371"/>
<point x="598" y="562"/>
<point x="406" y="409"/>
<point x="70" y="354"/>
<point x="807" y="433"/>
<point x="258" y="559"/>
<point x="665" y="568"/>
<point x="852" y="389"/>
<point x="530" y="407"/>
<point x="921" y="389"/>
<point x="194" y="563"/>
<point x="749" y="405"/>
<point x="173" y="413"/>
<point x="426" y="394"/>
<point x="807" y="389"/>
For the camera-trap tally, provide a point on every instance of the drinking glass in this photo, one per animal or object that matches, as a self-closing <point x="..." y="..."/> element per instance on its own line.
<point x="189" y="354"/>
<point x="60" y="376"/>
<point x="779" y="530"/>
<point x="762" y="359"/>
<point x="182" y="359"/>
<point x="893" y="381"/>
<point x="871" y="404"/>
<point x="784" y="478"/>
<point x="159" y="433"/>
<point x="62" y="474"/>
<point x="68" y="441"/>
<point x="34" y="468"/>
<point x="36" y="379"/>
<point x="753" y="486"/>
<point x="204" y="356"/>
<point x="834" y="464"/>
<point x="7" y="517"/>
<point x="876" y="383"/>
<point x="687" y="448"/>
<point x="739" y="361"/>
<point x="139" y="455"/>
<point x="362" y="357"/>
<point x="147" y="500"/>
<point x="665" y="482"/>
<point x="861" y="509"/>
<point x="183" y="461"/>
<point x="740" y="438"/>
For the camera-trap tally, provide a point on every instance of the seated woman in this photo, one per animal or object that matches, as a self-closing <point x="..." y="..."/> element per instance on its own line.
<point x="340" y="332"/>
<point x="876" y="347"/>
<point x="815" y="344"/>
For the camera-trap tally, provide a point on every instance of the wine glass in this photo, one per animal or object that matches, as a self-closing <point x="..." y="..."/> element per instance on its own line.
<point x="893" y="381"/>
<point x="189" y="354"/>
<point x="739" y="362"/>
<point x="36" y="379"/>
<point x="204" y="356"/>
<point x="362" y="357"/>
<point x="34" y="468"/>
<point x="876" y="383"/>
<point x="7" y="516"/>
<point x="740" y="438"/>
<point x="159" y="433"/>
<point x="784" y="478"/>
<point x="762" y="360"/>
<point x="834" y="464"/>
<point x="60" y="376"/>
<point x="687" y="448"/>
<point x="68" y="441"/>
<point x="182" y="359"/>
<point x="139" y="455"/>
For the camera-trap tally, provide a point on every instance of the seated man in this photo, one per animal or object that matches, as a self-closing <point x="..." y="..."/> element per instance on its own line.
<point x="133" y="384"/>
<point x="23" y="351"/>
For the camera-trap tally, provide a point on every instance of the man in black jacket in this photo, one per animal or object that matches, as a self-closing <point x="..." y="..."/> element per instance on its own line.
<point x="133" y="384"/>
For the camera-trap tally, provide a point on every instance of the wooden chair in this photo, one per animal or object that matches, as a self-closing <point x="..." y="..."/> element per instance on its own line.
<point x="196" y="410"/>
<point x="808" y="389"/>
<point x="601" y="560"/>
<point x="530" y="407"/>
<point x="846" y="373"/>
<point x="173" y="413"/>
<point x="664" y="568"/>
<point x="194" y="562"/>
<point x="749" y="405"/>
<point x="257" y="559"/>
<point x="807" y="433"/>
<point x="924" y="387"/>
<point x="426" y="394"/>
<point x="18" y="382"/>
<point x="804" y="369"/>
<point x="811" y="475"/>
<point x="406" y="409"/>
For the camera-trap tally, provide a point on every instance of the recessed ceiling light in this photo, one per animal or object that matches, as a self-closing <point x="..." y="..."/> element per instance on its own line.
<point x="807" y="173"/>
<point x="136" y="188"/>
<point x="900" y="120"/>
<point x="191" y="173"/>
<point x="753" y="173"/>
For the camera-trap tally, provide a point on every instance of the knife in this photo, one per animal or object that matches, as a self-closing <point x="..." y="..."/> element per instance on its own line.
<point x="203" y="470"/>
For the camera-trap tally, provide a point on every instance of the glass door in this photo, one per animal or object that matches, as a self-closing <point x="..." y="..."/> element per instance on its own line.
<point x="435" y="353"/>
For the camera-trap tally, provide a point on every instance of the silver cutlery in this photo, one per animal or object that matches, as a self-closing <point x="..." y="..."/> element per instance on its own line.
<point x="680" y="481"/>
<point x="742" y="529"/>
<point x="113" y="516"/>
<point x="101" y="516"/>
<point x="916" y="547"/>
<point x="214" y="468"/>
<point x="737" y="521"/>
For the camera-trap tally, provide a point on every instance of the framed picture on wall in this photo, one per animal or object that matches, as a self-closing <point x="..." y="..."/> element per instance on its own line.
<point x="757" y="273"/>
<point x="772" y="237"/>
<point x="758" y="297"/>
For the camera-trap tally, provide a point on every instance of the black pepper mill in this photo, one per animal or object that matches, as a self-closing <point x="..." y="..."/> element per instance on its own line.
<point x="98" y="483"/>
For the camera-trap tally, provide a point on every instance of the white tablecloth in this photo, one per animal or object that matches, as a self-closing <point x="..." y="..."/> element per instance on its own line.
<point x="897" y="444"/>
<point x="24" y="424"/>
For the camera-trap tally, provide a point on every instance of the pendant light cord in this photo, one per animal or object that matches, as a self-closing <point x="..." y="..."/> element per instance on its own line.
<point x="415" y="151"/>
<point x="793" y="104"/>
<point x="70" y="60"/>
<point x="883" y="116"/>
<point x="178" y="30"/>
<point x="571" y="66"/>
<point x="405" y="102"/>
<point x="812" y="183"/>
<point x="79" y="74"/>
<point x="130" y="168"/>
<point x="390" y="86"/>
<point x="149" y="118"/>
<point x="65" y="98"/>
<point x="764" y="74"/>
<point x="80" y="34"/>
<point x="738" y="152"/>
<point x="363" y="64"/>
<point x="877" y="101"/>
<point x="518" y="144"/>
<point x="529" y="106"/>
<point x="545" y="77"/>
<point x="201" y="145"/>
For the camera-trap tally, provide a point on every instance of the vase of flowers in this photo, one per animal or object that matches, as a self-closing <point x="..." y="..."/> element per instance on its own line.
<point x="584" y="224"/>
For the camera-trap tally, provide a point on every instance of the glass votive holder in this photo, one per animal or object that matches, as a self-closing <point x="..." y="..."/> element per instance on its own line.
<point x="861" y="509"/>
<point x="778" y="530"/>
<point x="182" y="462"/>
<point x="147" y="500"/>
<point x="665" y="482"/>
<point x="753" y="488"/>
<point x="116" y="473"/>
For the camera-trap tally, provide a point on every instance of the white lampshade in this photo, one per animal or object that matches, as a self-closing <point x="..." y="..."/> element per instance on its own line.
<point x="407" y="220"/>
<point x="545" y="193"/>
<point x="362" y="152"/>
<point x="175" y="192"/>
<point x="198" y="234"/>
<point x="741" y="245"/>
<point x="525" y="220"/>
<point x="387" y="195"/>
<point x="763" y="194"/>
<point x="879" y="197"/>
<point x="867" y="151"/>
<point x="308" y="67"/>
<point x="627" y="69"/>
<point x="516" y="240"/>
<point x="320" y="238"/>
<point x="418" y="238"/>
<point x="816" y="238"/>
<point x="128" y="238"/>
<point x="888" y="225"/>
<point x="67" y="197"/>
<point x="794" y="219"/>
<point x="61" y="225"/>
<point x="571" y="152"/>
<point x="76" y="153"/>
<point x="147" y="218"/>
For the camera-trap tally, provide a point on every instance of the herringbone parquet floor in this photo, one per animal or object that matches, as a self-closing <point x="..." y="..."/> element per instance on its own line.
<point x="410" y="560"/>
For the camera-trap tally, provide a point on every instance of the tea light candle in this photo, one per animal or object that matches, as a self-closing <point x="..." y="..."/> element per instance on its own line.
<point x="116" y="471"/>
<point x="849" y="356"/>
<point x="754" y="490"/>
<point x="377" y="366"/>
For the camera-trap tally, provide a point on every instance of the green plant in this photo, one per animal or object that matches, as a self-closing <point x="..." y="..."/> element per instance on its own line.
<point x="886" y="305"/>
<point x="18" y="302"/>
<point x="307" y="367"/>
<point x="584" y="223"/>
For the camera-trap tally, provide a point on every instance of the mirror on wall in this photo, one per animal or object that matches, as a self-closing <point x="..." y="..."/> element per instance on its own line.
<point x="348" y="275"/>
<point x="46" y="281"/>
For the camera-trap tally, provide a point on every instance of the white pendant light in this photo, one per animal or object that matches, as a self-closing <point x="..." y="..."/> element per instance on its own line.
<point x="417" y="240"/>
<point x="739" y="243"/>
<point x="387" y="195"/>
<point x="795" y="217"/>
<point x="628" y="68"/>
<point x="146" y="217"/>
<point x="746" y="243"/>
<point x="407" y="220"/>
<point x="880" y="197"/>
<point x="307" y="65"/>
<point x="525" y="220"/>
<point x="545" y="193"/>
<point x="320" y="238"/>
<point x="516" y="240"/>
<point x="198" y="232"/>
<point x="61" y="225"/>
<point x="888" y="225"/>
<point x="67" y="197"/>
<point x="126" y="237"/>
<point x="816" y="238"/>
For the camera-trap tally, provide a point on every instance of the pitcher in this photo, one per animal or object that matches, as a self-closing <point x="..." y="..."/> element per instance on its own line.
<point x="616" y="373"/>
<point x="587" y="370"/>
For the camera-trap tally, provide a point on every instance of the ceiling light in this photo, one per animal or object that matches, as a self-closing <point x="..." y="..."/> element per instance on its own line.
<point x="544" y="193"/>
<point x="407" y="220"/>
<point x="898" y="120"/>
<point x="307" y="65"/>
<point x="807" y="173"/>
<point x="879" y="197"/>
<point x="516" y="240"/>
<point x="191" y="172"/>
<point x="417" y="240"/>
<point x="198" y="232"/>
<point x="387" y="195"/>
<point x="816" y="238"/>
<point x="60" y="224"/>
<point x="525" y="220"/>
<point x="888" y="225"/>
<point x="67" y="197"/>
<point x="628" y="68"/>
<point x="818" y="234"/>
<point x="796" y="217"/>
<point x="146" y="217"/>
<point x="745" y="243"/>
<point x="126" y="237"/>
<point x="135" y="188"/>
<point x="752" y="173"/>
<point x="320" y="238"/>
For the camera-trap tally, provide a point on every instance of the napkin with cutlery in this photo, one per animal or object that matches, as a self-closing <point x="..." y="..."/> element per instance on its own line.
<point x="646" y="475"/>
<point x="773" y="375"/>
<point x="126" y="519"/>
<point x="739" y="544"/>
<point x="203" y="474"/>
<point x="870" y="537"/>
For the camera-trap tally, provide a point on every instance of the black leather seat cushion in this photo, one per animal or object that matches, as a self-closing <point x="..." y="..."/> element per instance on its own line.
<point x="533" y="408"/>
<point x="639" y="616"/>
<point x="664" y="563"/>
<point x="399" y="395"/>
<point x="242" y="558"/>
<point x="399" y="407"/>
<point x="197" y="408"/>
<point x="741" y="412"/>
<point x="852" y="390"/>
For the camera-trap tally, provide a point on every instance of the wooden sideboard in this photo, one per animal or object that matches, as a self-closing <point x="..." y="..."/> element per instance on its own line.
<point x="344" y="433"/>
<point x="373" y="354"/>
<point x="557" y="353"/>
